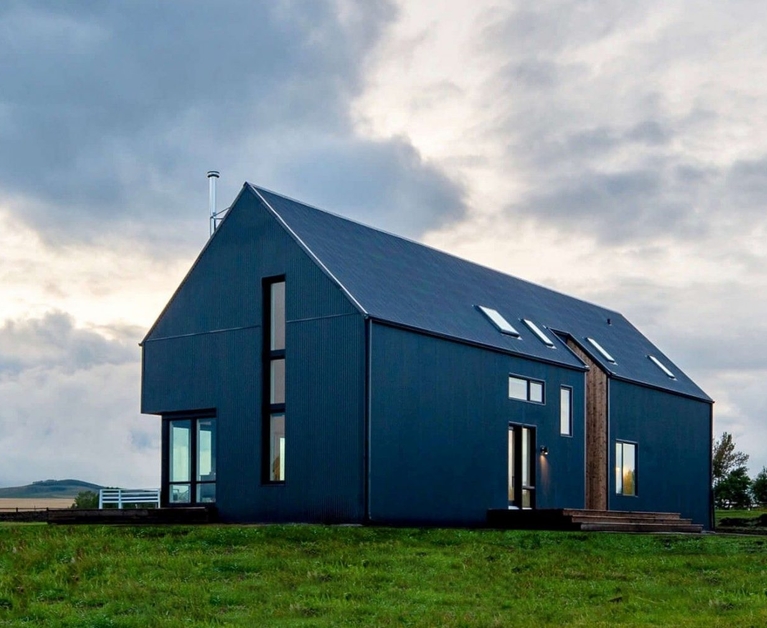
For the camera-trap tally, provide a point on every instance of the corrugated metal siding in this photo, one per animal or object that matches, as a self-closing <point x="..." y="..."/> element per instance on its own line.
<point x="205" y="352"/>
<point x="324" y="425"/>
<point x="439" y="426"/>
<point x="674" y="449"/>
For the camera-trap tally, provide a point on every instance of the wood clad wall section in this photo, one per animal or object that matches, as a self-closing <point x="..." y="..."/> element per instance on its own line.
<point x="597" y="480"/>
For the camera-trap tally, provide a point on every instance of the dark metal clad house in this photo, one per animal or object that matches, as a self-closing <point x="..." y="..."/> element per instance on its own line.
<point x="310" y="368"/>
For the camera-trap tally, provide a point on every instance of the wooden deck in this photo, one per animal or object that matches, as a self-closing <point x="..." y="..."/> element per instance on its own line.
<point x="134" y="516"/>
<point x="591" y="520"/>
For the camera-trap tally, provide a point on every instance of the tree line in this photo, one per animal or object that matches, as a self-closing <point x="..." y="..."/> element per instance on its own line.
<point x="733" y="488"/>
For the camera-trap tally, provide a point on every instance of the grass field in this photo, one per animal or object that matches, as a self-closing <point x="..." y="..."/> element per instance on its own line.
<point x="740" y="514"/>
<point x="97" y="576"/>
<point x="31" y="503"/>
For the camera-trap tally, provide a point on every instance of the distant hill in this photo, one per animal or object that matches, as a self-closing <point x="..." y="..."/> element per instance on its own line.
<point x="49" y="488"/>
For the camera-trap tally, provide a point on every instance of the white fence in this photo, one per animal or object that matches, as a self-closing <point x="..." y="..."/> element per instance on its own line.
<point x="122" y="496"/>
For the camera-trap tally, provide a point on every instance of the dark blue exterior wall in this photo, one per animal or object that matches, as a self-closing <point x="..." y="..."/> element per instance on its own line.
<point x="673" y="436"/>
<point x="439" y="421"/>
<point x="205" y="352"/>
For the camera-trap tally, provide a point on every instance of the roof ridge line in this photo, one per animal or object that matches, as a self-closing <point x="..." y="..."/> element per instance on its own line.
<point x="306" y="248"/>
<point x="258" y="188"/>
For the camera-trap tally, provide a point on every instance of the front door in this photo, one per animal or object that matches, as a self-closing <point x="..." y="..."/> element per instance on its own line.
<point x="521" y="466"/>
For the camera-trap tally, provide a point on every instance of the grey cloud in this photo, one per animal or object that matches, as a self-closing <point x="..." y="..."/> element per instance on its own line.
<point x="70" y="405"/>
<point x="616" y="206"/>
<point x="548" y="28"/>
<point x="54" y="342"/>
<point x="110" y="113"/>
<point x="720" y="345"/>
<point x="56" y="423"/>
<point x="603" y="147"/>
<point x="402" y="193"/>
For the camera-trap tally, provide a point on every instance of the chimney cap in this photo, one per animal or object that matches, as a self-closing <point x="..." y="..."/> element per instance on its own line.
<point x="213" y="173"/>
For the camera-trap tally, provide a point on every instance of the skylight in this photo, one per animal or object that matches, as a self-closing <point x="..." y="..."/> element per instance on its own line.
<point x="661" y="366"/>
<point x="537" y="331"/>
<point x="601" y="350"/>
<point x="499" y="321"/>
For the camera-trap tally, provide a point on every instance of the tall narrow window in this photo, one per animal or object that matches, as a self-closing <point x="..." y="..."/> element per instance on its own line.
<point x="180" y="462"/>
<point x="625" y="468"/>
<point x="273" y="453"/>
<point x="566" y="411"/>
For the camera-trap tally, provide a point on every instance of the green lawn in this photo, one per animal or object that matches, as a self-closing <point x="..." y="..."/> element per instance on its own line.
<point x="739" y="514"/>
<point x="97" y="576"/>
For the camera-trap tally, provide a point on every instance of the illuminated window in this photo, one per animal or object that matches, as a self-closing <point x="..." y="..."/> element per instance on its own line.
<point x="625" y="468"/>
<point x="525" y="389"/>
<point x="273" y="452"/>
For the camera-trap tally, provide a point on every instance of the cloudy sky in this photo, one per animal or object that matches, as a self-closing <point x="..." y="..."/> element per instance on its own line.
<point x="614" y="151"/>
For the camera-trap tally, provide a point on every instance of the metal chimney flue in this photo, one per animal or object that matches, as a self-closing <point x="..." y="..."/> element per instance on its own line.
<point x="212" y="177"/>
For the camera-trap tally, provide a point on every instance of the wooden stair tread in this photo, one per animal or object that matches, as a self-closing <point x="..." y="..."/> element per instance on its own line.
<point x="591" y="520"/>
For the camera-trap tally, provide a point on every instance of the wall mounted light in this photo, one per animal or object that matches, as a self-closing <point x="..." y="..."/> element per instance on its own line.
<point x="544" y="451"/>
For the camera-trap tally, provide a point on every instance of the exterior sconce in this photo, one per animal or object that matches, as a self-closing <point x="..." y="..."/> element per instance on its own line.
<point x="544" y="451"/>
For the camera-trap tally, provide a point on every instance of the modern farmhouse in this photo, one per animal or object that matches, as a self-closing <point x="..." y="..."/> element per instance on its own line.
<point x="310" y="368"/>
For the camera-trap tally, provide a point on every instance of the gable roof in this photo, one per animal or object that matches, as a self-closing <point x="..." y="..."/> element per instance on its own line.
<point x="399" y="281"/>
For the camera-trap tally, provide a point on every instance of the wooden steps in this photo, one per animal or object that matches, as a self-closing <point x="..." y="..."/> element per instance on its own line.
<point x="134" y="516"/>
<point x="591" y="520"/>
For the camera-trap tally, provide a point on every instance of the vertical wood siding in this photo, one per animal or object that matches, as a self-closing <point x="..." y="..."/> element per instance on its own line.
<point x="597" y="472"/>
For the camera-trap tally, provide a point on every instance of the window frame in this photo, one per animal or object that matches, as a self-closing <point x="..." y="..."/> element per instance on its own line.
<point x="528" y="388"/>
<point x="569" y="433"/>
<point x="193" y="418"/>
<point x="539" y="333"/>
<point x="499" y="321"/>
<point x="270" y="410"/>
<point x="619" y="488"/>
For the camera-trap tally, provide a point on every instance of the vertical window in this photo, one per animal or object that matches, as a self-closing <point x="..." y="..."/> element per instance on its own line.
<point x="180" y="462"/>
<point x="273" y="454"/>
<point x="536" y="392"/>
<point x="206" y="461"/>
<point x="625" y="468"/>
<point x="191" y="461"/>
<point x="277" y="448"/>
<point x="566" y="411"/>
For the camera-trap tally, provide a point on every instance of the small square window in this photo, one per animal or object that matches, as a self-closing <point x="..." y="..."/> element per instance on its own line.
<point x="517" y="388"/>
